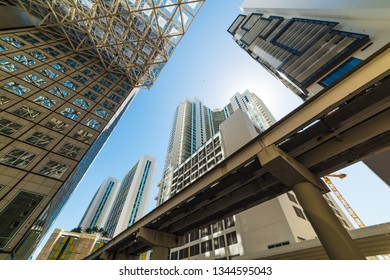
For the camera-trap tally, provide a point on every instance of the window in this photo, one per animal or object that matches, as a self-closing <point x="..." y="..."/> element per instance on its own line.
<point x="111" y="77"/>
<point x="108" y="105"/>
<point x="48" y="73"/>
<point x="93" y="123"/>
<point x="42" y="36"/>
<point x="101" y="113"/>
<point x="71" y="63"/>
<point x="38" y="55"/>
<point x="106" y="83"/>
<point x="219" y="242"/>
<point x="206" y="246"/>
<point x="34" y="80"/>
<point x="4" y="100"/>
<point x="121" y="92"/>
<point x="96" y="69"/>
<point x="54" y="169"/>
<point x="205" y="231"/>
<point x="40" y="139"/>
<point x="80" y="59"/>
<point x="217" y="226"/>
<point x="194" y="250"/>
<point x="60" y="67"/>
<point x="80" y="78"/>
<point x="70" y="150"/>
<point x="229" y="222"/>
<point x="89" y="73"/>
<point x="81" y="103"/>
<point x="231" y="238"/>
<point x="13" y="42"/>
<point x="29" y="39"/>
<point x="59" y="92"/>
<point x="7" y="66"/>
<point x="278" y="244"/>
<point x="27" y="112"/>
<point x="299" y="213"/>
<point x="62" y="48"/>
<point x="83" y="136"/>
<point x="3" y="48"/>
<point x="98" y="89"/>
<point x="183" y="253"/>
<point x="70" y="84"/>
<point x="24" y="60"/>
<point x="90" y="95"/>
<point x="45" y="102"/>
<point x="115" y="98"/>
<point x="70" y="113"/>
<point x="126" y="86"/>
<point x="340" y="71"/>
<point x="194" y="235"/>
<point x="13" y="216"/>
<point x="51" y="51"/>
<point x="8" y="127"/>
<point x="17" y="158"/>
<point x="15" y="88"/>
<point x="292" y="197"/>
<point x="174" y="255"/>
<point x="57" y="125"/>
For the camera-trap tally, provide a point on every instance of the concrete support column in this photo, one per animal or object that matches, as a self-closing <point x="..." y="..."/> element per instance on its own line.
<point x="160" y="253"/>
<point x="333" y="236"/>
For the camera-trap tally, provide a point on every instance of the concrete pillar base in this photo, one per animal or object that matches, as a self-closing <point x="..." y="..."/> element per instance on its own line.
<point x="334" y="237"/>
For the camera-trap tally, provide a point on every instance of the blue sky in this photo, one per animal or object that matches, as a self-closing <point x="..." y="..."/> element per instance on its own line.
<point x="207" y="64"/>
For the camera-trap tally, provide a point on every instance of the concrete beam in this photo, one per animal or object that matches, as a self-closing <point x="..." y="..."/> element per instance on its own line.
<point x="156" y="238"/>
<point x="286" y="169"/>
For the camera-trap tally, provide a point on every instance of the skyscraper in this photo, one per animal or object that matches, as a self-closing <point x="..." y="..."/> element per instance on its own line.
<point x="194" y="124"/>
<point x="310" y="45"/>
<point x="278" y="222"/>
<point x="132" y="197"/>
<point x="101" y="204"/>
<point x="68" y="71"/>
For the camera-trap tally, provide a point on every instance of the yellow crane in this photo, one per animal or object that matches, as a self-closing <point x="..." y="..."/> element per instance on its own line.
<point x="355" y="217"/>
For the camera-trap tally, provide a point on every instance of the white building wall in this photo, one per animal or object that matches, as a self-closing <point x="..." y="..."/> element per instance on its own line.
<point x="97" y="200"/>
<point x="123" y="222"/>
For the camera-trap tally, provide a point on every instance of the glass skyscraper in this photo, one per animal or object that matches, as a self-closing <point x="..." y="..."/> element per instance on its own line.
<point x="68" y="71"/>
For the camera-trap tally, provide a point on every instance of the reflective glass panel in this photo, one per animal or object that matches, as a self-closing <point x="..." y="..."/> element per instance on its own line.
<point x="7" y="66"/>
<point x="44" y="101"/>
<point x="15" y="88"/>
<point x="34" y="80"/>
<point x="57" y="91"/>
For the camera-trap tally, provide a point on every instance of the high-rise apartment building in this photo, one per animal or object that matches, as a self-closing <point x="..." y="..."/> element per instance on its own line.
<point x="132" y="197"/>
<point x="278" y="222"/>
<point x="194" y="124"/>
<point x="101" y="204"/>
<point x="68" y="71"/>
<point x="310" y="45"/>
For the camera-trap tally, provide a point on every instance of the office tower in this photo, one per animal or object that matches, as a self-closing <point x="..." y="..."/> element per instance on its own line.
<point x="310" y="45"/>
<point x="68" y="71"/>
<point x="101" y="204"/>
<point x="65" y="245"/>
<point x="132" y="197"/>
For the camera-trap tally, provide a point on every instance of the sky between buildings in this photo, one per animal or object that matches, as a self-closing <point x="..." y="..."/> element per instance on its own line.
<point x="207" y="64"/>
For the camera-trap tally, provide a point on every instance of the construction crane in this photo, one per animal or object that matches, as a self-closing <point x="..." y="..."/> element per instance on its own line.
<point x="355" y="217"/>
<point x="345" y="203"/>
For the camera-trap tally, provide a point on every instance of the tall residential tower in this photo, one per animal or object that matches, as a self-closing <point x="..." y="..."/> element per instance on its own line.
<point x="309" y="45"/>
<point x="68" y="71"/>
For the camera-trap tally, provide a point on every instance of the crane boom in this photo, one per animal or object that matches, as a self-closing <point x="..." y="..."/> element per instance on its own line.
<point x="344" y="202"/>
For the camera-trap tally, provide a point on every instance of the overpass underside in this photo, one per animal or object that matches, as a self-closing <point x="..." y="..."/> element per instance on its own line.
<point x="334" y="129"/>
